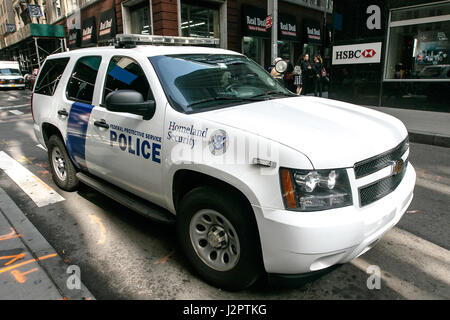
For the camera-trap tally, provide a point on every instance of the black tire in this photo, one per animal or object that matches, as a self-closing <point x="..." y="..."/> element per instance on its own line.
<point x="70" y="183"/>
<point x="248" y="267"/>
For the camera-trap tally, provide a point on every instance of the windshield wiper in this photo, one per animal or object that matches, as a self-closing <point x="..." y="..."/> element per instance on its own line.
<point x="269" y="93"/>
<point x="219" y="98"/>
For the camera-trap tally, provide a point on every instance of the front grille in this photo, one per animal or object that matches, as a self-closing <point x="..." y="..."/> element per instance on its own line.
<point x="371" y="165"/>
<point x="380" y="188"/>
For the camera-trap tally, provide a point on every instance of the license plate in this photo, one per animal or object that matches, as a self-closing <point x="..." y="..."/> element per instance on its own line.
<point x="13" y="85"/>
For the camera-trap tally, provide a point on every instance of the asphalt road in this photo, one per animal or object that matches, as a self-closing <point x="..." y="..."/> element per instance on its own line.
<point x="122" y="255"/>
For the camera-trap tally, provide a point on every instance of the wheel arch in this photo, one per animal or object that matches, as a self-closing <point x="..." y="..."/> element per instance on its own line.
<point x="185" y="180"/>
<point x="49" y="130"/>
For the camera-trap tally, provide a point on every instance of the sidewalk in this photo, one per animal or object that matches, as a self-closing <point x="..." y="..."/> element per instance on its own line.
<point x="30" y="269"/>
<point x="427" y="127"/>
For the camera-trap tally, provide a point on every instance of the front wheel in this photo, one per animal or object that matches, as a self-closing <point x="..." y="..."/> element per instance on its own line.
<point x="63" y="170"/>
<point x="220" y="238"/>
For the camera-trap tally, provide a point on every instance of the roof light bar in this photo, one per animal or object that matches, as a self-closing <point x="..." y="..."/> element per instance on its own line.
<point x="131" y="40"/>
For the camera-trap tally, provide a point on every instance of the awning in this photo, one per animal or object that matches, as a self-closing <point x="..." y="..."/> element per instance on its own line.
<point x="35" y="30"/>
<point x="107" y="25"/>
<point x="312" y="31"/>
<point x="287" y="27"/>
<point x="88" y="32"/>
<point x="254" y="22"/>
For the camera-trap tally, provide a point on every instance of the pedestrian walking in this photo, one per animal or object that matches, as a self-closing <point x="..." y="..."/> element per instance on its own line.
<point x="274" y="73"/>
<point x="307" y="74"/>
<point x="298" y="79"/>
<point x="289" y="74"/>
<point x="318" y="75"/>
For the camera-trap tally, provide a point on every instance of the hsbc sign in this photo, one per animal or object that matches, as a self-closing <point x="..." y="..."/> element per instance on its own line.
<point x="357" y="53"/>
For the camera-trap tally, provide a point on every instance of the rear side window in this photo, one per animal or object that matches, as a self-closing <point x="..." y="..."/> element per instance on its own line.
<point x="126" y="73"/>
<point x="49" y="76"/>
<point x="82" y="81"/>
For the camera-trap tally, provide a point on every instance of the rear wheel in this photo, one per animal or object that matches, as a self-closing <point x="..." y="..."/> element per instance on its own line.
<point x="63" y="170"/>
<point x="219" y="237"/>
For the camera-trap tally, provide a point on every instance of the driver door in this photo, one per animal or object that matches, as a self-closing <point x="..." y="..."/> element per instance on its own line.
<point x="123" y="148"/>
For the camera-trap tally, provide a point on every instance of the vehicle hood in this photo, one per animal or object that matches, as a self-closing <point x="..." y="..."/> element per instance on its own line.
<point x="332" y="134"/>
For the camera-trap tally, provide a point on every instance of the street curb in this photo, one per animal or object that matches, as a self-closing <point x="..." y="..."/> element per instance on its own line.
<point x="431" y="139"/>
<point x="55" y="268"/>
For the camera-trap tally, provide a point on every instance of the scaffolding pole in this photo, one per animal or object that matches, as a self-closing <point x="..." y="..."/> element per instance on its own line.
<point x="37" y="52"/>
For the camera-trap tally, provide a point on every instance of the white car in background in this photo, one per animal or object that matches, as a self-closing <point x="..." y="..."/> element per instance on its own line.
<point x="10" y="75"/>
<point x="256" y="178"/>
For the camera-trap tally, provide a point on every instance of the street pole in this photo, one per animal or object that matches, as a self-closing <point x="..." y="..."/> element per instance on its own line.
<point x="325" y="34"/>
<point x="272" y="10"/>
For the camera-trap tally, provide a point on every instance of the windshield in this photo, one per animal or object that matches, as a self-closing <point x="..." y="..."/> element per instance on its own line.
<point x="10" y="72"/>
<point x="200" y="82"/>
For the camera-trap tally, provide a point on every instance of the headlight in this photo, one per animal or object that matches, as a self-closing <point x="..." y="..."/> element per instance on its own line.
<point x="315" y="190"/>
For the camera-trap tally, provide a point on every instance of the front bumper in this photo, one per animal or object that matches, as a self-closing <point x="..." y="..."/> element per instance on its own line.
<point x="302" y="242"/>
<point x="12" y="85"/>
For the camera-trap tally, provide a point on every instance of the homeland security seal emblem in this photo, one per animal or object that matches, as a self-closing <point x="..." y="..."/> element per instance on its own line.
<point x="218" y="142"/>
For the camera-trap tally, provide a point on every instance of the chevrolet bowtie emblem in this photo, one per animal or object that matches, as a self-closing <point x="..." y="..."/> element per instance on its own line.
<point x="397" y="167"/>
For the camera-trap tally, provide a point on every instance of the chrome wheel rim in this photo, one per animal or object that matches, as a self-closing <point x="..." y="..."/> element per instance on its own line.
<point x="214" y="239"/>
<point x="59" y="164"/>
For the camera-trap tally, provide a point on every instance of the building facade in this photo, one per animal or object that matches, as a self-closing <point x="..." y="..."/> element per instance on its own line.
<point x="299" y="26"/>
<point x="392" y="53"/>
<point x="26" y="35"/>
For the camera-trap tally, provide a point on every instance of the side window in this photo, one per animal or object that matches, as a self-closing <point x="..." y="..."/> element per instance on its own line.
<point x="49" y="76"/>
<point x="82" y="81"/>
<point x="125" y="73"/>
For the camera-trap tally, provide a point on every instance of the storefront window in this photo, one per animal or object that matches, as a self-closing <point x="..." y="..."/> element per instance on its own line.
<point x="419" y="50"/>
<point x="199" y="21"/>
<point x="311" y="49"/>
<point x="140" y="18"/>
<point x="421" y="12"/>
<point x="253" y="48"/>
<point x="285" y="49"/>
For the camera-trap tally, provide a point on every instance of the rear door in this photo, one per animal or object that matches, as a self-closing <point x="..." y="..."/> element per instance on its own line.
<point x="46" y="94"/>
<point x="76" y="106"/>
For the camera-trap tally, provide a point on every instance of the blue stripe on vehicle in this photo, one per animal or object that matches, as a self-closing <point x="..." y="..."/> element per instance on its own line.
<point x="77" y="126"/>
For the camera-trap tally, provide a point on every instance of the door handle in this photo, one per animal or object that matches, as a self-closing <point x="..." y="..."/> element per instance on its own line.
<point x="101" y="124"/>
<point x="63" y="112"/>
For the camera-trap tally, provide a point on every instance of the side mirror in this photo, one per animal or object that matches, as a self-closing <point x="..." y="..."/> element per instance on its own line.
<point x="281" y="66"/>
<point x="130" y="101"/>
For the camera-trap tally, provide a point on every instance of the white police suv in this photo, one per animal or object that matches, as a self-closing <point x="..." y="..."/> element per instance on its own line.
<point x="256" y="179"/>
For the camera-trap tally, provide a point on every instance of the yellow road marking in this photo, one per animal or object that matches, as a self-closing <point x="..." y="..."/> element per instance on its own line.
<point x="164" y="260"/>
<point x="27" y="160"/>
<point x="27" y="262"/>
<point x="13" y="258"/>
<point x="11" y="235"/>
<point x="95" y="219"/>
<point x="20" y="276"/>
